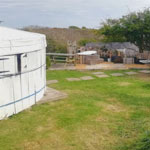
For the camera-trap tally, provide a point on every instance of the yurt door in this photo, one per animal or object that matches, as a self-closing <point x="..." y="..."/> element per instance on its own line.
<point x="24" y="64"/>
<point x="25" y="80"/>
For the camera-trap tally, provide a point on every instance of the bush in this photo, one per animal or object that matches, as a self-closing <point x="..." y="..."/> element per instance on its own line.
<point x="60" y="48"/>
<point x="48" y="62"/>
<point x="84" y="28"/>
<point x="55" y="47"/>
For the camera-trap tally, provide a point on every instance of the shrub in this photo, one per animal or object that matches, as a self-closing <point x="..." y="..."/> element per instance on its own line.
<point x="55" y="47"/>
<point x="48" y="62"/>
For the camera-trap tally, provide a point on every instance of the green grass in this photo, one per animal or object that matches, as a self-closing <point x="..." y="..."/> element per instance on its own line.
<point x="101" y="114"/>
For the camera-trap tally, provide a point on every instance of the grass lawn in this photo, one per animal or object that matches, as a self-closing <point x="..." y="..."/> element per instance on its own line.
<point x="101" y="114"/>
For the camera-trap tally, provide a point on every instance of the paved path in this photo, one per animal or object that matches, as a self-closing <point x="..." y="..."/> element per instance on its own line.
<point x="52" y="95"/>
<point x="81" y="78"/>
<point x="105" y="65"/>
<point x="73" y="79"/>
<point x="102" y="76"/>
<point x="145" y="71"/>
<point x="87" y="78"/>
<point x="51" y="82"/>
<point x="131" y="73"/>
<point x="98" y="73"/>
<point x="117" y="74"/>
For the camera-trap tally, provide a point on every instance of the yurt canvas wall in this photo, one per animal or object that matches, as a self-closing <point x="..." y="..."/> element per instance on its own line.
<point x="22" y="70"/>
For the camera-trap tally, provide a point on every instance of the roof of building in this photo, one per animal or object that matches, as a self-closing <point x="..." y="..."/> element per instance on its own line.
<point x="114" y="46"/>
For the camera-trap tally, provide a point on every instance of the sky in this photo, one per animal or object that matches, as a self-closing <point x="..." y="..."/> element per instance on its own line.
<point x="64" y="13"/>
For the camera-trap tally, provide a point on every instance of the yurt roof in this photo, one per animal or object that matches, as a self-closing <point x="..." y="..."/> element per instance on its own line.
<point x="13" y="41"/>
<point x="14" y="34"/>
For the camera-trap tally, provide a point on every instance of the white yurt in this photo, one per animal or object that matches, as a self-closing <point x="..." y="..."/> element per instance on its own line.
<point x="22" y="70"/>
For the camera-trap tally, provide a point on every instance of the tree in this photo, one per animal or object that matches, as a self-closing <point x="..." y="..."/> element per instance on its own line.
<point x="73" y="27"/>
<point x="55" y="47"/>
<point x="134" y="28"/>
<point x="112" y="32"/>
<point x="84" y="28"/>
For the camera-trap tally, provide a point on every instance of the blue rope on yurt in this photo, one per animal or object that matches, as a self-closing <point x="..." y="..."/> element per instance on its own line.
<point x="35" y="93"/>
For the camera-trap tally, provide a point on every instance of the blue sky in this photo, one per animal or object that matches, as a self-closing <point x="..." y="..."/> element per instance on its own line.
<point x="64" y="13"/>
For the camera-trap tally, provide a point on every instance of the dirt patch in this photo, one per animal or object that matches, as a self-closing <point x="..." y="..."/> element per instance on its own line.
<point x="112" y="105"/>
<point x="144" y="77"/>
<point x="137" y="66"/>
<point x="144" y="95"/>
<point x="102" y="119"/>
<point x="32" y="145"/>
<point x="112" y="100"/>
<point x="115" y="108"/>
<point x="80" y="67"/>
<point x="97" y="138"/>
<point x="145" y="109"/>
<point x="124" y="83"/>
<point x="49" y="125"/>
<point x="52" y="141"/>
<point x="74" y="92"/>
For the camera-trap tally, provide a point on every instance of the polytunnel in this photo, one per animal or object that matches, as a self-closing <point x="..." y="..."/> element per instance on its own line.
<point x="22" y="70"/>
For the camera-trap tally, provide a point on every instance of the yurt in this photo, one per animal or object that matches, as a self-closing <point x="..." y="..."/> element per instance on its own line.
<point x="22" y="70"/>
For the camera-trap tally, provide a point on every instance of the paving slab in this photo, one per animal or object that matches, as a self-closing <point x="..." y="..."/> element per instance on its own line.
<point x="131" y="73"/>
<point x="98" y="73"/>
<point x="87" y="78"/>
<point x="117" y="74"/>
<point x="73" y="79"/>
<point x="51" y="82"/>
<point x="52" y="95"/>
<point x="145" y="71"/>
<point x="102" y="76"/>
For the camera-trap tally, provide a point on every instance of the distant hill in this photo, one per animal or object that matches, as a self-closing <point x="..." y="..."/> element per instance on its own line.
<point x="57" y="38"/>
<point x="62" y="35"/>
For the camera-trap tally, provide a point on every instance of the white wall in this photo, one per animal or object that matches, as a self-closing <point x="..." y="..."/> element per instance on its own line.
<point x="21" y="91"/>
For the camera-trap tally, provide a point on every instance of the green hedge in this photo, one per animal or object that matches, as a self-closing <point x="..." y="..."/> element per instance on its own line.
<point x="48" y="62"/>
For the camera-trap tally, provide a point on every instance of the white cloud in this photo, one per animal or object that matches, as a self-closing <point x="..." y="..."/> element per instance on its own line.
<point x="75" y="12"/>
